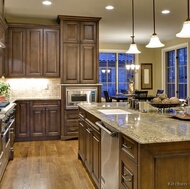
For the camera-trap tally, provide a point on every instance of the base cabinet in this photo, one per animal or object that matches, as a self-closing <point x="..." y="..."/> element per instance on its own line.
<point x="38" y="120"/>
<point x="90" y="145"/>
<point x="153" y="166"/>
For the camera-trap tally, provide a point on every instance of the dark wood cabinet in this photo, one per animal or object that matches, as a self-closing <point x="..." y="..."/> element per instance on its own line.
<point x="128" y="164"/>
<point x="70" y="123"/>
<point x="33" y="51"/>
<point x="16" y="61"/>
<point x="3" y="27"/>
<point x="90" y="145"/>
<point x="38" y="120"/>
<point x="22" y="120"/>
<point x="79" y="49"/>
<point x="34" y="46"/>
<point x="51" y="66"/>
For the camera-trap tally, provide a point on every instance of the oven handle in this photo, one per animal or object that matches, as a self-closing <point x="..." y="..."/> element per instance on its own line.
<point x="8" y="128"/>
<point x="111" y="133"/>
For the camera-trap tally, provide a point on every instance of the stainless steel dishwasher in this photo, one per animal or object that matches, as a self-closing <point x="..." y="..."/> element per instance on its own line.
<point x="109" y="156"/>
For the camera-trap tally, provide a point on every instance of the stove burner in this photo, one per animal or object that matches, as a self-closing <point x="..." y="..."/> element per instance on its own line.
<point x="4" y="104"/>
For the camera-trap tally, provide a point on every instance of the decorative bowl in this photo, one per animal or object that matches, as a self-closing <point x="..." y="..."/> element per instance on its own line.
<point x="160" y="105"/>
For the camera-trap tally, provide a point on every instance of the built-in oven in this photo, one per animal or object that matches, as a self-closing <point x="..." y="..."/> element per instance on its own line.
<point x="75" y="95"/>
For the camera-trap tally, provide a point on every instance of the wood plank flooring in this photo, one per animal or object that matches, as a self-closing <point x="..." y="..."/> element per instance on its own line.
<point x="46" y="165"/>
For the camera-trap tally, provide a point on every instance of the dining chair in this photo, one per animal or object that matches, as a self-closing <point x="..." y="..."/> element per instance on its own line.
<point x="124" y="91"/>
<point x="159" y="91"/>
<point x="107" y="97"/>
<point x="141" y="94"/>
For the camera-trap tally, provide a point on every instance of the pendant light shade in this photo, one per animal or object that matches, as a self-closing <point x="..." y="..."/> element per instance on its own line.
<point x="133" y="47"/>
<point x="2" y="45"/>
<point x="154" y="40"/>
<point x="185" y="32"/>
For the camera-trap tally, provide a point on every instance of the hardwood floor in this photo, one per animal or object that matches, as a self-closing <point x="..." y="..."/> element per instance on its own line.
<point x="46" y="165"/>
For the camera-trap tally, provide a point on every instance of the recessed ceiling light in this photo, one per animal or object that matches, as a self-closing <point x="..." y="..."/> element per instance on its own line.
<point x="165" y="11"/>
<point x="47" y="2"/>
<point x="109" y="7"/>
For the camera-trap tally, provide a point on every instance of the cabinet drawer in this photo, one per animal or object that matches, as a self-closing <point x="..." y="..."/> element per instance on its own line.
<point x="71" y="116"/>
<point x="37" y="103"/>
<point x="129" y="147"/>
<point x="81" y="113"/>
<point x="71" y="129"/>
<point x="128" y="173"/>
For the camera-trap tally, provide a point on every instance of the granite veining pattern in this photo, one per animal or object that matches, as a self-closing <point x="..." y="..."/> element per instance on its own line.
<point x="144" y="128"/>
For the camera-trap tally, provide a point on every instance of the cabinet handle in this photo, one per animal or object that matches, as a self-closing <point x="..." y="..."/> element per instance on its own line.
<point x="126" y="146"/>
<point x="126" y="175"/>
<point x="72" y="129"/>
<point x="89" y="130"/>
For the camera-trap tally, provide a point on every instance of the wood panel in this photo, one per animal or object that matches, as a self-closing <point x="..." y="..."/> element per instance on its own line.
<point x="70" y="68"/>
<point x="53" y="121"/>
<point x="22" y="120"/>
<point x="16" y="53"/>
<point x="88" y="32"/>
<point x="34" y="52"/>
<point x="88" y="63"/>
<point x="51" y="53"/>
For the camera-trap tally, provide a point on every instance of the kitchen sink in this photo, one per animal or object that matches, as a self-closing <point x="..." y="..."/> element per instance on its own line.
<point x="113" y="111"/>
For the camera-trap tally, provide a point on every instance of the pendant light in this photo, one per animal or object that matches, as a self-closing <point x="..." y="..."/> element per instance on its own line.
<point x="133" y="47"/>
<point x="185" y="32"/>
<point x="2" y="45"/>
<point x="154" y="40"/>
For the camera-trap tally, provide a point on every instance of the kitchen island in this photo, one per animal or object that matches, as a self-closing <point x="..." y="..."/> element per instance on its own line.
<point x="154" y="149"/>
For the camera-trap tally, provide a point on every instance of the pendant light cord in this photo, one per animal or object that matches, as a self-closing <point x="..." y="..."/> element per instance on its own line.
<point x="188" y="10"/>
<point x="133" y="24"/>
<point x="154" y="17"/>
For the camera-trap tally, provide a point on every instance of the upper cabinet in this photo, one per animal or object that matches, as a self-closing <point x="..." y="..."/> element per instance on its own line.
<point x="3" y="27"/>
<point x="33" y="51"/>
<point x="79" y="44"/>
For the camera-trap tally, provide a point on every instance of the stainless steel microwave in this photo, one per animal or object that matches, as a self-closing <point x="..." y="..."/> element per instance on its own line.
<point x="75" y="95"/>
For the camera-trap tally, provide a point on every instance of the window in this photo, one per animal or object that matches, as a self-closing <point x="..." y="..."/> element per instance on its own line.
<point x="176" y="73"/>
<point x="112" y="71"/>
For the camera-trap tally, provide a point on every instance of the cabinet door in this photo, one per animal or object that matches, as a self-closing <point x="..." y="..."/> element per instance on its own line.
<point x="34" y="52"/>
<point x="88" y="32"/>
<point x="96" y="157"/>
<point x="37" y="121"/>
<point x="52" y="121"/>
<point x="70" y="67"/>
<point x="81" y="138"/>
<point x="70" y="31"/>
<point x="22" y="120"/>
<point x="128" y="173"/>
<point x="88" y="148"/>
<point x="88" y="68"/>
<point x="51" y="53"/>
<point x="16" y="52"/>
<point x="2" y="70"/>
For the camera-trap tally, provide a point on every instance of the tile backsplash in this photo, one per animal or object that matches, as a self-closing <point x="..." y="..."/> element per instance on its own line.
<point x="34" y="88"/>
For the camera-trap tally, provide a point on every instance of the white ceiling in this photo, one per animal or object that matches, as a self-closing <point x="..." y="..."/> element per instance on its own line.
<point x="115" y="25"/>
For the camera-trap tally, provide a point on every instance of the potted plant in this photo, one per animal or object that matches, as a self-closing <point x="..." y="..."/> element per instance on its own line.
<point x="4" y="91"/>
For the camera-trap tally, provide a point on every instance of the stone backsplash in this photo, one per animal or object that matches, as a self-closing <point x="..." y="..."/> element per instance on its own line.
<point x="34" y="88"/>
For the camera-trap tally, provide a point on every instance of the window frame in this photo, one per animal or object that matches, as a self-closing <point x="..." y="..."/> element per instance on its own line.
<point x="164" y="66"/>
<point x="116" y="51"/>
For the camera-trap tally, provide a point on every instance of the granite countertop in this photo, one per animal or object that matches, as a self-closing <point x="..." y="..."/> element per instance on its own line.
<point x="34" y="98"/>
<point x="144" y="128"/>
